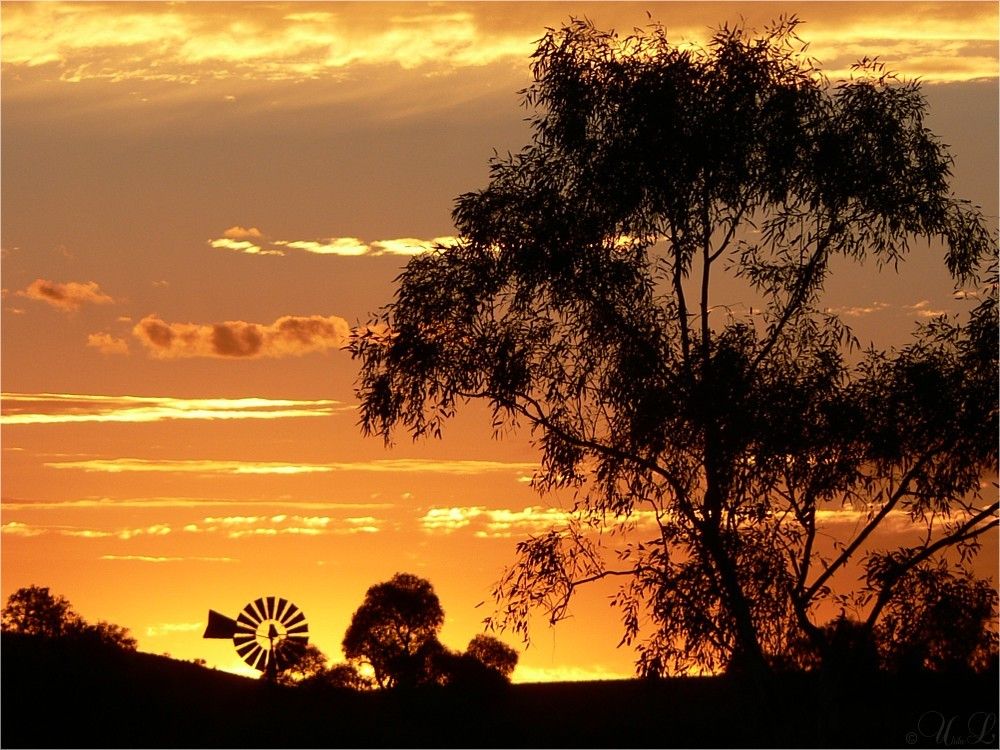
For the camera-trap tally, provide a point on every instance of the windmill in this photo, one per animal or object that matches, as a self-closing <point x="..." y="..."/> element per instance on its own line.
<point x="270" y="633"/>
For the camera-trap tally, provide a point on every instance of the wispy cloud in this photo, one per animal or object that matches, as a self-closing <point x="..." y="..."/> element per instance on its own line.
<point x="254" y="242"/>
<point x="166" y="628"/>
<point x="169" y="628"/>
<point x="859" y="311"/>
<point x="146" y="503"/>
<point x="349" y="246"/>
<point x="466" y="467"/>
<point x="489" y="523"/>
<point x="59" y="408"/>
<point x="283" y="524"/>
<point x="105" y="343"/>
<point x="923" y="309"/>
<point x="69" y="296"/>
<point x="16" y="528"/>
<point x="242" y="246"/>
<point x="232" y="527"/>
<point x="160" y="559"/>
<point x="288" y="336"/>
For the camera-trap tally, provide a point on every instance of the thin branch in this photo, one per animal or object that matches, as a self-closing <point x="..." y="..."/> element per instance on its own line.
<point x="961" y="534"/>
<point x="877" y="519"/>
<point x="798" y="296"/>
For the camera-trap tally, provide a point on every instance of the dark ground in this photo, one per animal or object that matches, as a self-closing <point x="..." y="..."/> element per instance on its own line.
<point x="55" y="694"/>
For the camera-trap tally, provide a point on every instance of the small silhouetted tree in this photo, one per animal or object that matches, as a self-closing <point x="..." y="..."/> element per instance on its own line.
<point x="494" y="654"/>
<point x="395" y="631"/>
<point x="103" y="634"/>
<point x="311" y="662"/>
<point x="583" y="301"/>
<point x="34" y="610"/>
<point x="341" y="676"/>
<point x="939" y="619"/>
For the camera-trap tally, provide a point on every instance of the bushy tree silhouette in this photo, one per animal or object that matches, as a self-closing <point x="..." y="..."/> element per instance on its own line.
<point x="105" y="634"/>
<point x="939" y="619"/>
<point x="583" y="301"/>
<point x="342" y="676"/>
<point x="493" y="653"/>
<point x="34" y="610"/>
<point x="311" y="663"/>
<point x="395" y="631"/>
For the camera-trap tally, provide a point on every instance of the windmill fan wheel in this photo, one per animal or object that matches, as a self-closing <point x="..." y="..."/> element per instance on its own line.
<point x="271" y="633"/>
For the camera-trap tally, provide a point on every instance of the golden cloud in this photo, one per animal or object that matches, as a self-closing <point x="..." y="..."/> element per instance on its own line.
<point x="242" y="246"/>
<point x="235" y="339"/>
<point x="277" y="41"/>
<point x="464" y="467"/>
<point x="253" y="242"/>
<point x="282" y="524"/>
<point x="107" y="344"/>
<point x="242" y="233"/>
<point x="260" y="41"/>
<point x="491" y="523"/>
<point x="160" y="559"/>
<point x="349" y="246"/>
<point x="166" y="628"/>
<point x="68" y="297"/>
<point x="59" y="408"/>
<point x="16" y="528"/>
<point x="859" y="310"/>
<point x="107" y="503"/>
<point x="496" y="522"/>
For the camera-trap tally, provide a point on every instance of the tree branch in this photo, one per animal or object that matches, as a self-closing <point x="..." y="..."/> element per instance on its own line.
<point x="963" y="533"/>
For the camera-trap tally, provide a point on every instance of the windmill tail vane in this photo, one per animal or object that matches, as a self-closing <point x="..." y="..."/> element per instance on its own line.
<point x="270" y="634"/>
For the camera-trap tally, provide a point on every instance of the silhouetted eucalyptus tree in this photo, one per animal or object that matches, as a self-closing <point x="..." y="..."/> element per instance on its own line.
<point x="582" y="301"/>
<point x="395" y="631"/>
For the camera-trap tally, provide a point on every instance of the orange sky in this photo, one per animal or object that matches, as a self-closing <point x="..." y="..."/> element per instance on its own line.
<point x="199" y="201"/>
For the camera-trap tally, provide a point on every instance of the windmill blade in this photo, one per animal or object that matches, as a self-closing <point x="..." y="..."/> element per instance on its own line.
<point x="283" y="609"/>
<point x="219" y="626"/>
<point x="293" y="618"/>
<point x="261" y="608"/>
<point x="261" y="662"/>
<point x="250" y="654"/>
<point x="248" y="618"/>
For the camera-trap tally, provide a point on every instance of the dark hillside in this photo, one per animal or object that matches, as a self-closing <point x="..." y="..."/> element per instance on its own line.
<point x="57" y="694"/>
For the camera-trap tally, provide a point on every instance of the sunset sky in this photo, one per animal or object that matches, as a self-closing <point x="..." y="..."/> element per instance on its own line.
<point x="199" y="201"/>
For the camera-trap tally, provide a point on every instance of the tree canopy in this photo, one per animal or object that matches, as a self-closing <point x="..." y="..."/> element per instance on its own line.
<point x="713" y="440"/>
<point x="395" y="630"/>
<point x="35" y="611"/>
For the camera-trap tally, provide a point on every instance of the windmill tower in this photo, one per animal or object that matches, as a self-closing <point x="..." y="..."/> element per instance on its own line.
<point x="270" y="633"/>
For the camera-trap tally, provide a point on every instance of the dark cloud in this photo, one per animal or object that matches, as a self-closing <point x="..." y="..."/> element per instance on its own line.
<point x="288" y="336"/>
<point x="69" y="297"/>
